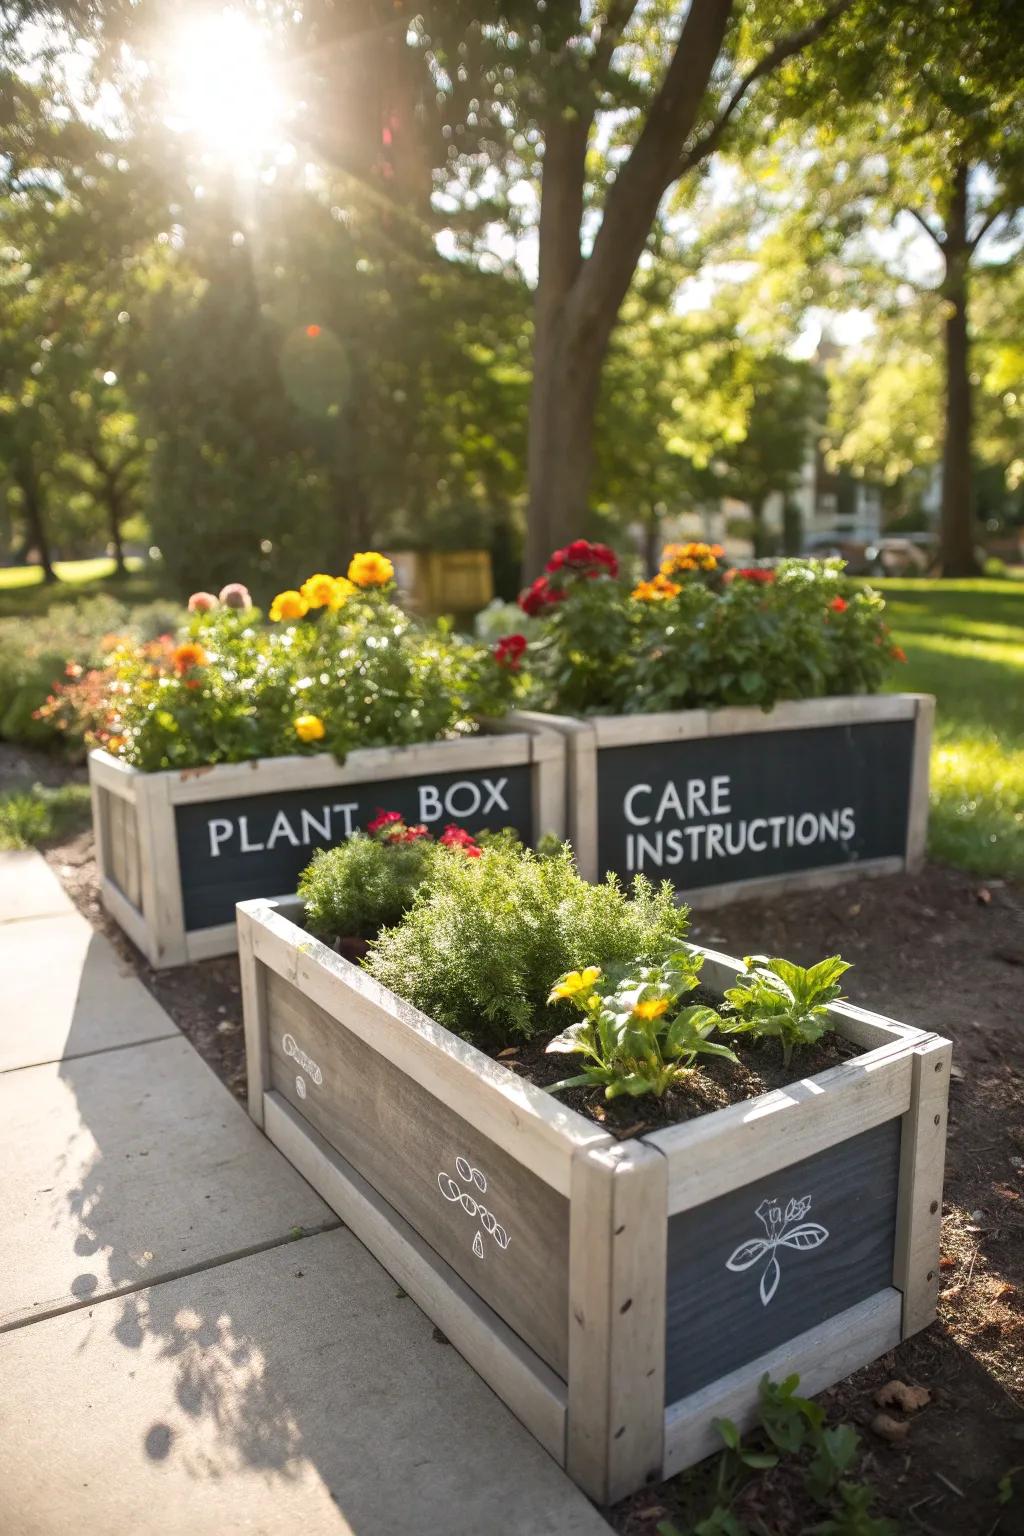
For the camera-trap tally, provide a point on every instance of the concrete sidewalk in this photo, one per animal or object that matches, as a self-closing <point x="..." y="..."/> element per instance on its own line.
<point x="189" y="1343"/>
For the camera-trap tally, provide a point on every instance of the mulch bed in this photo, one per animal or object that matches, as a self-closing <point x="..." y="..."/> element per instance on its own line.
<point x="942" y="950"/>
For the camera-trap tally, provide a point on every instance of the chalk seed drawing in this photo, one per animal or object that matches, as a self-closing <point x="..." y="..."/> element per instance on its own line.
<point x="453" y="1191"/>
<point x="780" y="1233"/>
<point x="294" y="1050"/>
<point x="300" y="1085"/>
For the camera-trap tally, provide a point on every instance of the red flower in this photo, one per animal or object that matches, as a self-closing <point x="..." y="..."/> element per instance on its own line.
<point x="383" y="819"/>
<point x="838" y="605"/>
<point x="509" y="651"/>
<point x="751" y="573"/>
<point x="539" y="594"/>
<point x="408" y="834"/>
<point x="458" y="837"/>
<point x="898" y="653"/>
<point x="582" y="555"/>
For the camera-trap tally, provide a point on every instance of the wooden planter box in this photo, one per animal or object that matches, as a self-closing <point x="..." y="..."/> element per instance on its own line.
<point x="736" y="801"/>
<point x="177" y="849"/>
<point x="618" y="1296"/>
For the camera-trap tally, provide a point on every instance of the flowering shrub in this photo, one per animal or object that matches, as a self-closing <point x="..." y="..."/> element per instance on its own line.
<point x="697" y="635"/>
<point x="368" y="883"/>
<point x="339" y="666"/>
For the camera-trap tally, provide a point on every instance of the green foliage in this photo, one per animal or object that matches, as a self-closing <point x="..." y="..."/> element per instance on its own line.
<point x="30" y="817"/>
<point x="36" y="655"/>
<point x="362" y="674"/>
<point x="692" y="640"/>
<point x="635" y="1036"/>
<point x="776" y="999"/>
<point x="478" y="949"/>
<point x="853" y="1515"/>
<point x="367" y="883"/>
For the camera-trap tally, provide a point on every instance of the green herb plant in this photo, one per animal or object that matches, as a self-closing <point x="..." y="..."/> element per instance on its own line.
<point x="477" y="949"/>
<point x="776" y="999"/>
<point x="366" y="883"/>
<point x="634" y="1033"/>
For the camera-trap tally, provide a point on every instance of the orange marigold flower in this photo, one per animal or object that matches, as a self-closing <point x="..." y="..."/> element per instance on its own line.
<point x="187" y="656"/>
<point x="658" y="590"/>
<point x="653" y="1008"/>
<point x="692" y="556"/>
<point x="898" y="653"/>
<point x="288" y="605"/>
<point x="370" y="569"/>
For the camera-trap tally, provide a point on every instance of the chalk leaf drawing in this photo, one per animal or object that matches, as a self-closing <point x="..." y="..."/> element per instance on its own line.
<point x="476" y="1181"/>
<point x="783" y="1229"/>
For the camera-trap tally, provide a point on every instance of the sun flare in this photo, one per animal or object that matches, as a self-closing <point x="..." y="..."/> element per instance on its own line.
<point x="223" y="89"/>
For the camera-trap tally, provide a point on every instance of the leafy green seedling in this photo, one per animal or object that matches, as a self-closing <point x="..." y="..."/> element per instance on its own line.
<point x="775" y="998"/>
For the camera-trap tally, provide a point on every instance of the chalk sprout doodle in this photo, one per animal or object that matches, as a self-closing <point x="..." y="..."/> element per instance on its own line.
<point x="453" y="1191"/>
<point x="780" y="1233"/>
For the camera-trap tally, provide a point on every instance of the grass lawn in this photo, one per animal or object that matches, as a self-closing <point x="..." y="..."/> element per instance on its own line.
<point x="965" y="643"/>
<point x="23" y="593"/>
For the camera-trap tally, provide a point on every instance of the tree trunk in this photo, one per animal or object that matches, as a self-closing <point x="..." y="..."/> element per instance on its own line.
<point x="35" y="516"/>
<point x="652" y="542"/>
<point x="114" y="514"/>
<point x="566" y="379"/>
<point x="759" y="538"/>
<point x="957" y="525"/>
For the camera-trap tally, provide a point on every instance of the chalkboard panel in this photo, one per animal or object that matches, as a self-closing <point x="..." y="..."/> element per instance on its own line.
<point x="255" y="845"/>
<point x="723" y="808"/>
<point x="766" y="1262"/>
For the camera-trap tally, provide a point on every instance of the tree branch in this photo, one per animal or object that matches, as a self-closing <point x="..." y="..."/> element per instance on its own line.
<point x="994" y="213"/>
<point x="617" y="16"/>
<point x="914" y="214"/>
<point x="786" y="48"/>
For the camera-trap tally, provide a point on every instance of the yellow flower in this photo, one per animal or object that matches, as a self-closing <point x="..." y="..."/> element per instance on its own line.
<point x="370" y="570"/>
<point x="322" y="591"/>
<point x="690" y="557"/>
<point x="652" y="1009"/>
<point x="288" y="605"/>
<point x="310" y="728"/>
<point x="575" y="983"/>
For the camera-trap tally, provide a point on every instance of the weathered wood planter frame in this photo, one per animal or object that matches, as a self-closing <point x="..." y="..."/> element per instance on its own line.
<point x="135" y="820"/>
<point x="587" y="739"/>
<point x="414" y="1137"/>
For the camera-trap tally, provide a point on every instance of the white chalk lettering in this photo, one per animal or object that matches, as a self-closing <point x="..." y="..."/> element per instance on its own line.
<point x="495" y="794"/>
<point x="627" y="805"/>
<point x="243" y="829"/>
<point x="282" y="828"/>
<point x="220" y="831"/>
<point x="347" y="812"/>
<point x="847" y="823"/>
<point x="758" y="821"/>
<point x="311" y="825"/>
<point x="669" y="801"/>
<point x="807" y="830"/>
<point x="720" y="795"/>
<point x="431" y="808"/>
<point x="463" y="787"/>
<point x="695" y="798"/>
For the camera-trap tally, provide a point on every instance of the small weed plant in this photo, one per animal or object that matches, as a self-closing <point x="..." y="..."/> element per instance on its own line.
<point x="793" y="1427"/>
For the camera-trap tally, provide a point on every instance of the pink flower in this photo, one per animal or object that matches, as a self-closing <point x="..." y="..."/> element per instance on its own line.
<point x="458" y="837"/>
<point x="234" y="595"/>
<point x="383" y="819"/>
<point x="202" y="602"/>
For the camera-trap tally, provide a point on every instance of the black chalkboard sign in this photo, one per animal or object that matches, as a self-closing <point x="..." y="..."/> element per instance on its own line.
<point x="723" y="808"/>
<point x="765" y="1263"/>
<point x="255" y="845"/>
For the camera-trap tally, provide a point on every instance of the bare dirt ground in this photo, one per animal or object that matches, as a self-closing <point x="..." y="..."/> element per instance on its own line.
<point x="942" y="950"/>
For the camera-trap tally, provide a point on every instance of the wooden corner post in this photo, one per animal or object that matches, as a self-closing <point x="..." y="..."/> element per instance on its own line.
<point x="922" y="1163"/>
<point x="617" y="1255"/>
<point x="920" y="780"/>
<point x="254" y="1009"/>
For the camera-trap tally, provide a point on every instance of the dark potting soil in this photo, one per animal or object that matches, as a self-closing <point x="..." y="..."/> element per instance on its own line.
<point x="716" y="1083"/>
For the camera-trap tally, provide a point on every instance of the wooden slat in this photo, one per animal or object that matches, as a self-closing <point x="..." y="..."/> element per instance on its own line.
<point x="922" y="1162"/>
<point x="617" y="1320"/>
<point x="548" y="786"/>
<point x="917" y="822"/>
<point x="532" y="1391"/>
<point x="127" y="917"/>
<point x="715" y="1153"/>
<point x="206" y="943"/>
<point x="437" y="1171"/>
<point x="799" y="714"/>
<point x="666" y="725"/>
<point x="161" y="874"/>
<point x="362" y="766"/>
<point x="761" y="887"/>
<point x="520" y="1118"/>
<point x="112" y="774"/>
<point x="820" y="1357"/>
<point x="254" y="1015"/>
<point x="581" y="773"/>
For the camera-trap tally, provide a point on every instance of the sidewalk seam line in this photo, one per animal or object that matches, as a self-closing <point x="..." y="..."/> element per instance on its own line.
<point x="183" y="1273"/>
<point x="101" y="1050"/>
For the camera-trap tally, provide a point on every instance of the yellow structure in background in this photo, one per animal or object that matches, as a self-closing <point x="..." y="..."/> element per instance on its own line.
<point x="436" y="581"/>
